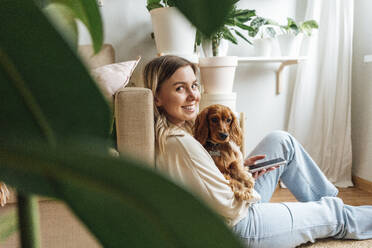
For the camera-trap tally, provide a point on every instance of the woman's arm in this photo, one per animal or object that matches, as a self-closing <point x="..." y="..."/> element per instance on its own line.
<point x="188" y="163"/>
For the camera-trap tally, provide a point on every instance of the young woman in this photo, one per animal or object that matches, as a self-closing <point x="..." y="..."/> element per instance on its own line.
<point x="258" y="223"/>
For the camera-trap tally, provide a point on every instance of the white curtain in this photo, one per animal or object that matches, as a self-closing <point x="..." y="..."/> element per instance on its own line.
<point x="320" y="110"/>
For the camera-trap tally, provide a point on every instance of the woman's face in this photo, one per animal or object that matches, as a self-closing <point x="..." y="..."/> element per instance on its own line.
<point x="179" y="96"/>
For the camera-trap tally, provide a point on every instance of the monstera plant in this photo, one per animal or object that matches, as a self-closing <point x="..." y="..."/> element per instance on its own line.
<point x="54" y="134"/>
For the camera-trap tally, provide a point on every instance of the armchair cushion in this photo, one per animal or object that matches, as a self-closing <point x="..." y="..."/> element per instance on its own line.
<point x="110" y="78"/>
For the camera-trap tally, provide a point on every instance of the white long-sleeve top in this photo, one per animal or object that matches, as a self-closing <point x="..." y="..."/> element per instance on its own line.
<point x="187" y="162"/>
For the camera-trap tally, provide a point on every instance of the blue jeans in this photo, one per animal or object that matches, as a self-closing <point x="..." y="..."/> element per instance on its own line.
<point x="319" y="214"/>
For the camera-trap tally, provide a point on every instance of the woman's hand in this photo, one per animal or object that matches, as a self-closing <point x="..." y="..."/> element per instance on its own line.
<point x="252" y="160"/>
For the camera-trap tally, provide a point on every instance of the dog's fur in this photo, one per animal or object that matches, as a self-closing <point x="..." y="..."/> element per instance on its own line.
<point x="218" y="130"/>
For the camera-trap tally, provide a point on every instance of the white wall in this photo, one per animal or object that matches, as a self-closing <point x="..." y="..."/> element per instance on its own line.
<point x="361" y="108"/>
<point x="128" y="26"/>
<point x="255" y="84"/>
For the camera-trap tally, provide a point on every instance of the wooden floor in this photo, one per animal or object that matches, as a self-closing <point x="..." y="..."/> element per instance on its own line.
<point x="350" y="196"/>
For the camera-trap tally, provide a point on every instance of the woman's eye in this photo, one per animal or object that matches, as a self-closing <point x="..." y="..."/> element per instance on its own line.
<point x="195" y="86"/>
<point x="228" y="120"/>
<point x="214" y="119"/>
<point x="179" y="88"/>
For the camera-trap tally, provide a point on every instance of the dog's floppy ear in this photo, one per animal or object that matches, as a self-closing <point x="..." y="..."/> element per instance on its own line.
<point x="236" y="134"/>
<point x="201" y="129"/>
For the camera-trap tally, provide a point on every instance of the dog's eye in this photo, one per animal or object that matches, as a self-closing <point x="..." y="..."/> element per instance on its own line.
<point x="228" y="120"/>
<point x="214" y="119"/>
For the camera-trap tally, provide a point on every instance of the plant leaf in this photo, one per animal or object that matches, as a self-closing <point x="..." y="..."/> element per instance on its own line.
<point x="142" y="208"/>
<point x="171" y="3"/>
<point x="206" y="15"/>
<point x="50" y="94"/>
<point x="242" y="36"/>
<point x="227" y="35"/>
<point x="308" y="26"/>
<point x="8" y="225"/>
<point x="87" y="11"/>
<point x="153" y="1"/>
<point x="270" y="31"/>
<point x="244" y="15"/>
<point x="152" y="6"/>
<point x="245" y="27"/>
<point x="64" y="20"/>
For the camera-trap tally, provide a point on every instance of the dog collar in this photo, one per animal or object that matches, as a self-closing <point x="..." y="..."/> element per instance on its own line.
<point x="212" y="148"/>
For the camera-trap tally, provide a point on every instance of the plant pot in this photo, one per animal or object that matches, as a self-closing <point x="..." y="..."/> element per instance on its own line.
<point x="174" y="34"/>
<point x="221" y="50"/>
<point x="262" y="47"/>
<point x="289" y="44"/>
<point x="217" y="74"/>
<point x="227" y="99"/>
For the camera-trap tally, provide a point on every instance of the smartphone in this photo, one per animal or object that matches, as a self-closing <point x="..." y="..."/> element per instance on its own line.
<point x="267" y="164"/>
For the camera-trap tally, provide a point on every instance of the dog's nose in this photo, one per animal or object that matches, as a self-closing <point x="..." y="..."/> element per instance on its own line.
<point x="223" y="136"/>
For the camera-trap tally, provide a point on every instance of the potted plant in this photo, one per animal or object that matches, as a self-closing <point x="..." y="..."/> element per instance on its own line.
<point x="291" y="37"/>
<point x="263" y="31"/>
<point x="174" y="34"/>
<point x="216" y="69"/>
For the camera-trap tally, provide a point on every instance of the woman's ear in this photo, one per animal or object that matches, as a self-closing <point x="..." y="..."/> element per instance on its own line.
<point x="201" y="129"/>
<point x="236" y="134"/>
<point x="157" y="101"/>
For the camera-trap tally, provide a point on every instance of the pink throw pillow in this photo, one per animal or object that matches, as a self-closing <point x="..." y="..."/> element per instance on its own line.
<point x="110" y="78"/>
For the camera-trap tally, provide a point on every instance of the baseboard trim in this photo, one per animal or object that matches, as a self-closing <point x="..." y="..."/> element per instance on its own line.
<point x="362" y="184"/>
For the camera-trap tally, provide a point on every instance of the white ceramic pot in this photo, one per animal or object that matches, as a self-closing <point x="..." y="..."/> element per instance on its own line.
<point x="217" y="74"/>
<point x="262" y="47"/>
<point x="227" y="99"/>
<point x="221" y="50"/>
<point x="174" y="34"/>
<point x="289" y="44"/>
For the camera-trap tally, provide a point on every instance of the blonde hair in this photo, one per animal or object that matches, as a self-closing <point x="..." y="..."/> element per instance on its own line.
<point x="156" y="72"/>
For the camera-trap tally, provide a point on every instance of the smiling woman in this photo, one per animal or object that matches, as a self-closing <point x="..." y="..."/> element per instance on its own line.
<point x="176" y="94"/>
<point x="179" y="96"/>
<point x="181" y="157"/>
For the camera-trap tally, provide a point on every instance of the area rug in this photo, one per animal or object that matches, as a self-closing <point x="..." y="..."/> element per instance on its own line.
<point x="332" y="243"/>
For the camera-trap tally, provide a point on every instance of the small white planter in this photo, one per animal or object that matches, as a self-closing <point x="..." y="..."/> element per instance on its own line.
<point x="217" y="74"/>
<point x="174" y="34"/>
<point x="262" y="47"/>
<point x="221" y="50"/>
<point x="289" y="44"/>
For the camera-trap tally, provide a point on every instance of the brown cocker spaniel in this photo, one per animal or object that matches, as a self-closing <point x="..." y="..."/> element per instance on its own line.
<point x="218" y="130"/>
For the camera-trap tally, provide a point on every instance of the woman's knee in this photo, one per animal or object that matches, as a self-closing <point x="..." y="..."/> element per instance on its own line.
<point x="278" y="136"/>
<point x="283" y="140"/>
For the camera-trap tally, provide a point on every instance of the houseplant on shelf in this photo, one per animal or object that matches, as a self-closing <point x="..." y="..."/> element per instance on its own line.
<point x="174" y="34"/>
<point x="292" y="35"/>
<point x="218" y="70"/>
<point x="262" y="30"/>
<point x="236" y="20"/>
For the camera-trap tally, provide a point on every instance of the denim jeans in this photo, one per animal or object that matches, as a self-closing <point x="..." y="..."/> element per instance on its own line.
<point x="318" y="214"/>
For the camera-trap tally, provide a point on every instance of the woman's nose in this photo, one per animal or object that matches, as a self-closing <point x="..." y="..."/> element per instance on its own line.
<point x="191" y="94"/>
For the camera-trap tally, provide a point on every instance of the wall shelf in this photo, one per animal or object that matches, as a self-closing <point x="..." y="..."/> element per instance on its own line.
<point x="284" y="61"/>
<point x="368" y="59"/>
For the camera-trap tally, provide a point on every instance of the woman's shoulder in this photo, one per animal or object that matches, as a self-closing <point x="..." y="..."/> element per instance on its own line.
<point x="185" y="142"/>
